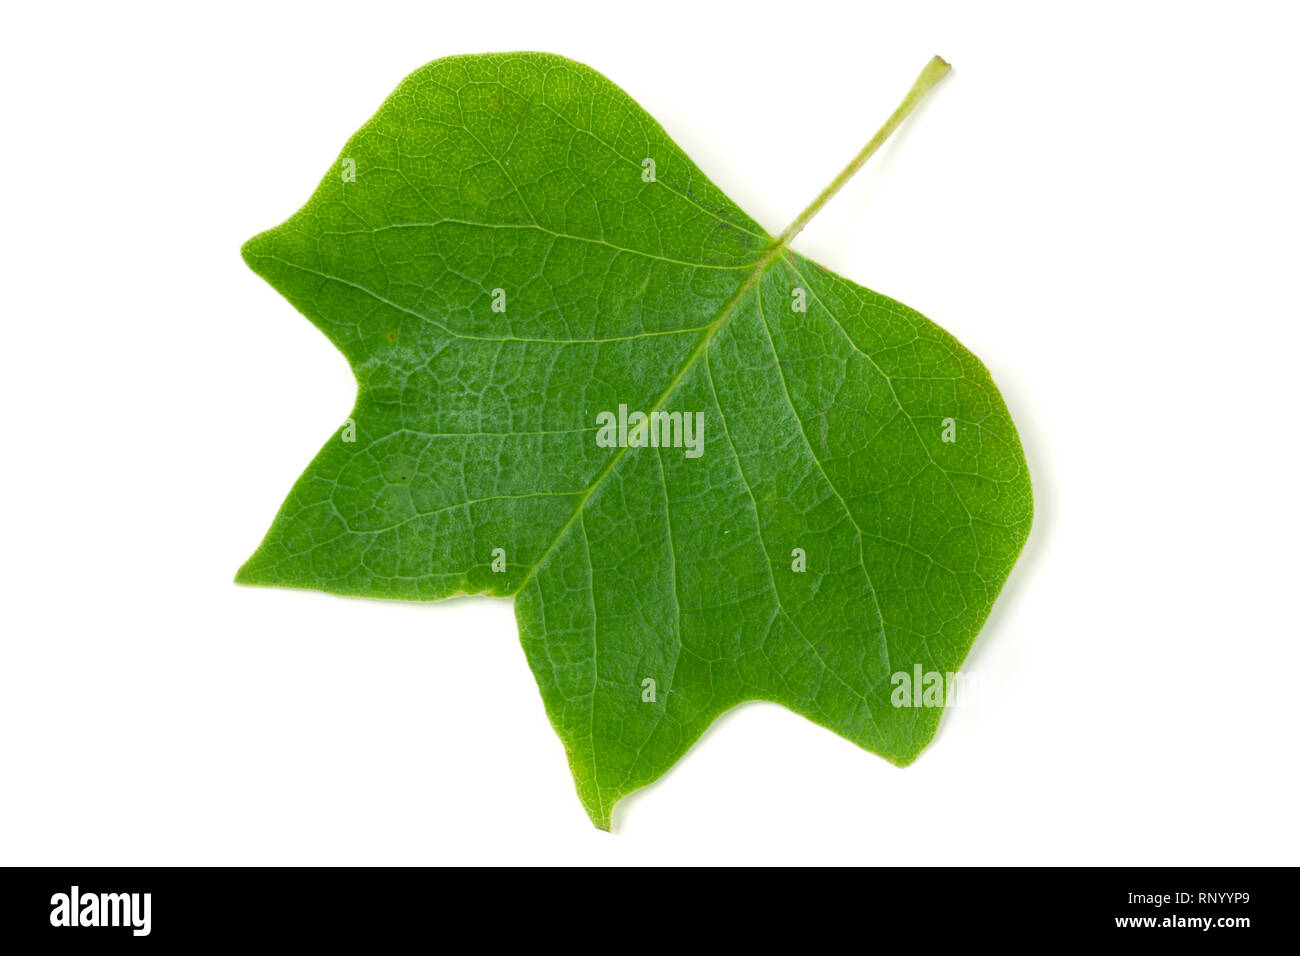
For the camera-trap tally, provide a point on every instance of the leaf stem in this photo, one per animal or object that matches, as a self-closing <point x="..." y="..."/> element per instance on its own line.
<point x="934" y="71"/>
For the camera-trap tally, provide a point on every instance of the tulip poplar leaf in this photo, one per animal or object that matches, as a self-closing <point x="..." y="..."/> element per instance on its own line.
<point x="707" y="469"/>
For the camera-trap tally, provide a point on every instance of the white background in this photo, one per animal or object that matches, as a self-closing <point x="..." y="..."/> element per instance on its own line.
<point x="1101" y="203"/>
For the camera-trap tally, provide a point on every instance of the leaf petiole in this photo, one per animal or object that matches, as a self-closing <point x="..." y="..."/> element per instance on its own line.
<point x="934" y="71"/>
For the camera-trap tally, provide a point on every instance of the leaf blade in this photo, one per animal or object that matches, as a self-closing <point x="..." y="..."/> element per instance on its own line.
<point x="474" y="428"/>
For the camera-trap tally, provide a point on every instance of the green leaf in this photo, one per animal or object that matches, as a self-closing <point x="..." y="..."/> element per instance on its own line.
<point x="503" y="272"/>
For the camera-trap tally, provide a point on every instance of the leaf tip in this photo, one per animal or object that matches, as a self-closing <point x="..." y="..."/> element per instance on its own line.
<point x="246" y="574"/>
<point x="254" y="250"/>
<point x="600" y="814"/>
<point x="904" y="760"/>
<point x="601" y="817"/>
